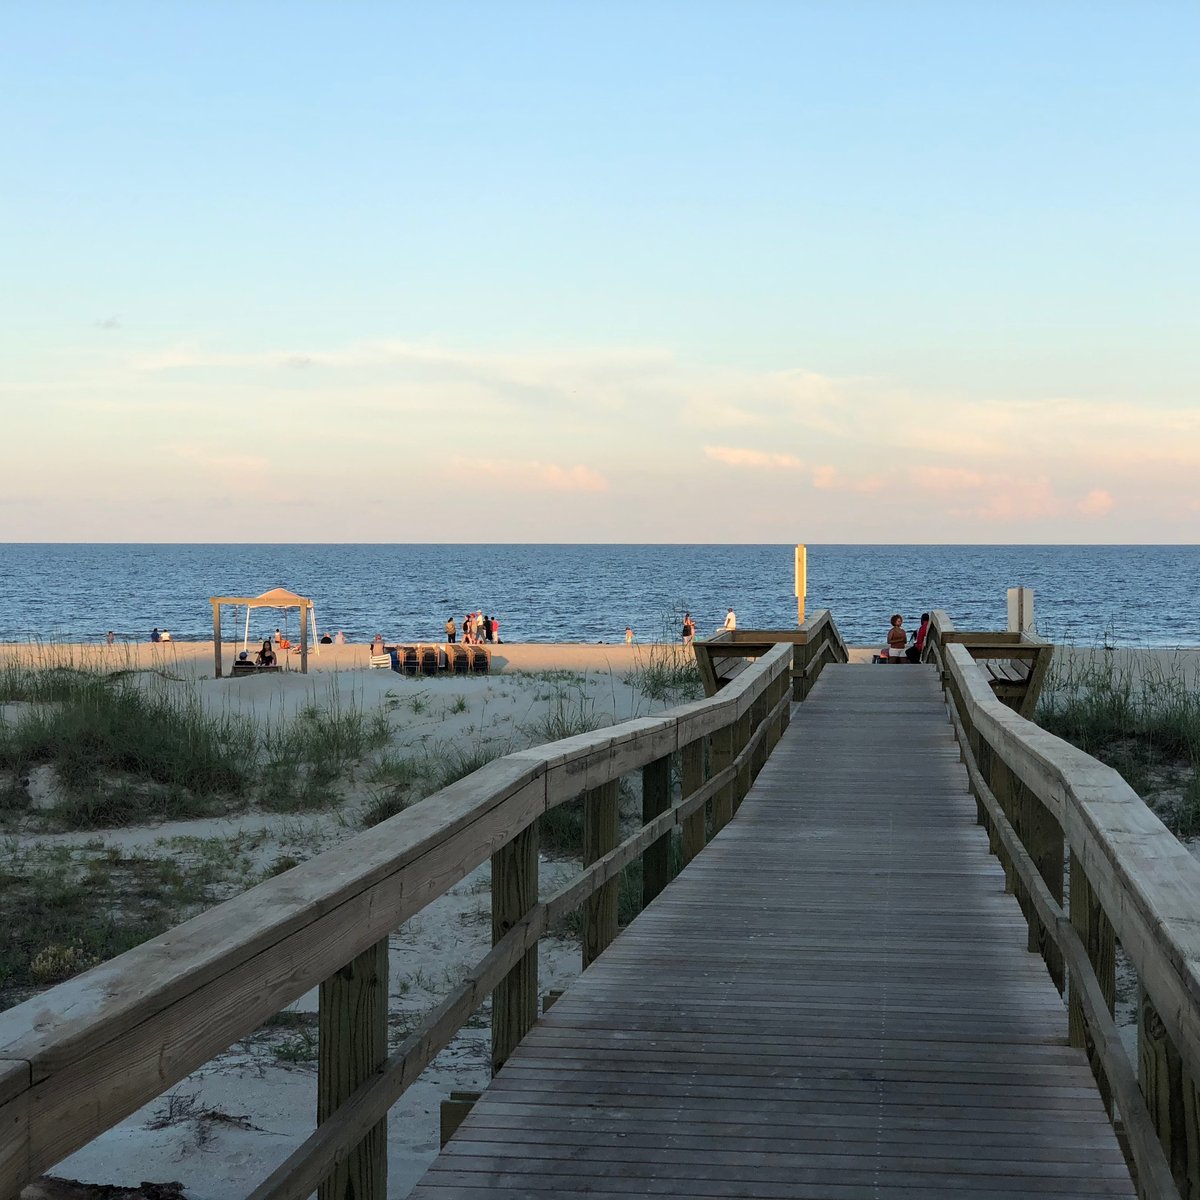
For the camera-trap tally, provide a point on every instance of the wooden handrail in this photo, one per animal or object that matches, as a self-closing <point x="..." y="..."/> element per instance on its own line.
<point x="1123" y="860"/>
<point x="77" y="1059"/>
<point x="1154" y="1172"/>
<point x="299" y="1174"/>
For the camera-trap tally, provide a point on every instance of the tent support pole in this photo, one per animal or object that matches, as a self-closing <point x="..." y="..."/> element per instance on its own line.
<point x="217" y="636"/>
<point x="304" y="639"/>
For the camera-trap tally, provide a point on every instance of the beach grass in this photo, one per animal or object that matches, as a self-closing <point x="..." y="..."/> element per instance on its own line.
<point x="68" y="908"/>
<point x="129" y="747"/>
<point x="1138" y="714"/>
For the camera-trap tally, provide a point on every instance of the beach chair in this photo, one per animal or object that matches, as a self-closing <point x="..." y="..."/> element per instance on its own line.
<point x="458" y="660"/>
<point x="380" y="662"/>
<point x="480" y="661"/>
<point x="408" y="660"/>
<point x="429" y="660"/>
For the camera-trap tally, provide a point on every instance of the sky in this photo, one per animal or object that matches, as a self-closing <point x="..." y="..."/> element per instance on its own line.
<point x="620" y="272"/>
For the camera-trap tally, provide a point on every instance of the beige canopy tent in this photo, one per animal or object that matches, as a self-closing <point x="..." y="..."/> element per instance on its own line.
<point x="275" y="598"/>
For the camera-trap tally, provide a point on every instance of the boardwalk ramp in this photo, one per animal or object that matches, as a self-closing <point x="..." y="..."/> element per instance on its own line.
<point x="834" y="1001"/>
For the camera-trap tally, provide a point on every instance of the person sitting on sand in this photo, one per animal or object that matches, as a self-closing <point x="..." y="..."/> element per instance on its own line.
<point x="326" y="640"/>
<point x="897" y="639"/>
<point x="266" y="656"/>
<point x="339" y="638"/>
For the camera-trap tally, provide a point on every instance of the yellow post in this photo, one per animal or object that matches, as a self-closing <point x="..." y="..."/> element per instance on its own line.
<point x="801" y="581"/>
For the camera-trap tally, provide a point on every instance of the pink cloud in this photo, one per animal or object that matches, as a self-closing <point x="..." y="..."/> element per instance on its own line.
<point x="733" y="457"/>
<point x="946" y="479"/>
<point x="1020" y="500"/>
<point x="518" y="476"/>
<point x="1096" y="503"/>
<point x="828" y="478"/>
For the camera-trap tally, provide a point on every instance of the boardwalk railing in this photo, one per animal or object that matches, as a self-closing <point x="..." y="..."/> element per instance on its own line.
<point x="1130" y="882"/>
<point x="80" y="1057"/>
<point x="727" y="653"/>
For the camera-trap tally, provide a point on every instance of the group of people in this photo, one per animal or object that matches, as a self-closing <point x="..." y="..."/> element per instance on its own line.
<point x="898" y="648"/>
<point x="477" y="627"/>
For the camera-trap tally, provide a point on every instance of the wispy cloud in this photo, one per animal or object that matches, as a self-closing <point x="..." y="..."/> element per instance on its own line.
<point x="1096" y="503"/>
<point x="733" y="456"/>
<point x="520" y="476"/>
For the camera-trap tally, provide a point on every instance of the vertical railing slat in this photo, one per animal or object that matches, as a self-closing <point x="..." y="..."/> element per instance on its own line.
<point x="601" y="832"/>
<point x="656" y="799"/>
<point x="352" y="1032"/>
<point x="514" y="893"/>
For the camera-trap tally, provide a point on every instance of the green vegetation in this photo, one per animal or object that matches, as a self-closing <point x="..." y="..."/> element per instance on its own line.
<point x="1139" y="718"/>
<point x="667" y="671"/>
<point x="68" y="908"/>
<point x="125" y="750"/>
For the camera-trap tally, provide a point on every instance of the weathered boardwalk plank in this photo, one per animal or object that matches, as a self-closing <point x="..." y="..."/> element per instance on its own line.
<point x="833" y="1001"/>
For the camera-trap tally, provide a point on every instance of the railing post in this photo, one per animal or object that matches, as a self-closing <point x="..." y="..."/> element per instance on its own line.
<point x="1171" y="1098"/>
<point x="758" y="710"/>
<point x="1090" y="922"/>
<point x="514" y="893"/>
<point x="799" y="662"/>
<point x="352" y="1042"/>
<point x="601" y="822"/>
<point x="775" y="729"/>
<point x="656" y="799"/>
<point x="741" y="739"/>
<point x="1044" y="841"/>
<point x="723" y="750"/>
<point x="692" y="780"/>
<point x="1000" y="781"/>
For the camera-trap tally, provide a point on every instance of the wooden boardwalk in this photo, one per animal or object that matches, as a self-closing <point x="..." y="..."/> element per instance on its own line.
<point x="834" y="1001"/>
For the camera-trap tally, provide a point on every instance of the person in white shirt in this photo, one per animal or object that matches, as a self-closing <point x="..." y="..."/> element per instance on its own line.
<point x="730" y="620"/>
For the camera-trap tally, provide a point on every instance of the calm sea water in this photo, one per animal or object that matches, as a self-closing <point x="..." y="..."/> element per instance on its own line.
<point x="1128" y="595"/>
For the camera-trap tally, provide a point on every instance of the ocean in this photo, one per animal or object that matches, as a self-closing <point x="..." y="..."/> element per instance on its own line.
<point x="1088" y="595"/>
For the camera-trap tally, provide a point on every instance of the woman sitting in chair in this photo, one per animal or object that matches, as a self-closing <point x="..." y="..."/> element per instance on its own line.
<point x="266" y="656"/>
<point x="897" y="640"/>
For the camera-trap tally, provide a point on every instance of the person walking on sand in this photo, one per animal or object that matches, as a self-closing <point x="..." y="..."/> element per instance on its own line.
<point x="689" y="629"/>
<point x="730" y="620"/>
<point x="629" y="635"/>
<point x="451" y="630"/>
<point x="110" y="637"/>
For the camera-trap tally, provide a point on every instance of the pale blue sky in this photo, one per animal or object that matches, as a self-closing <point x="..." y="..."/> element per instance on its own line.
<point x="830" y="267"/>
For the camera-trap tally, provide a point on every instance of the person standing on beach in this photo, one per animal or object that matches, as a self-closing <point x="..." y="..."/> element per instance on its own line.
<point x="730" y="621"/>
<point x="629" y="635"/>
<point x="451" y="630"/>
<point x="496" y="629"/>
<point x="689" y="629"/>
<point x="110" y="637"/>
